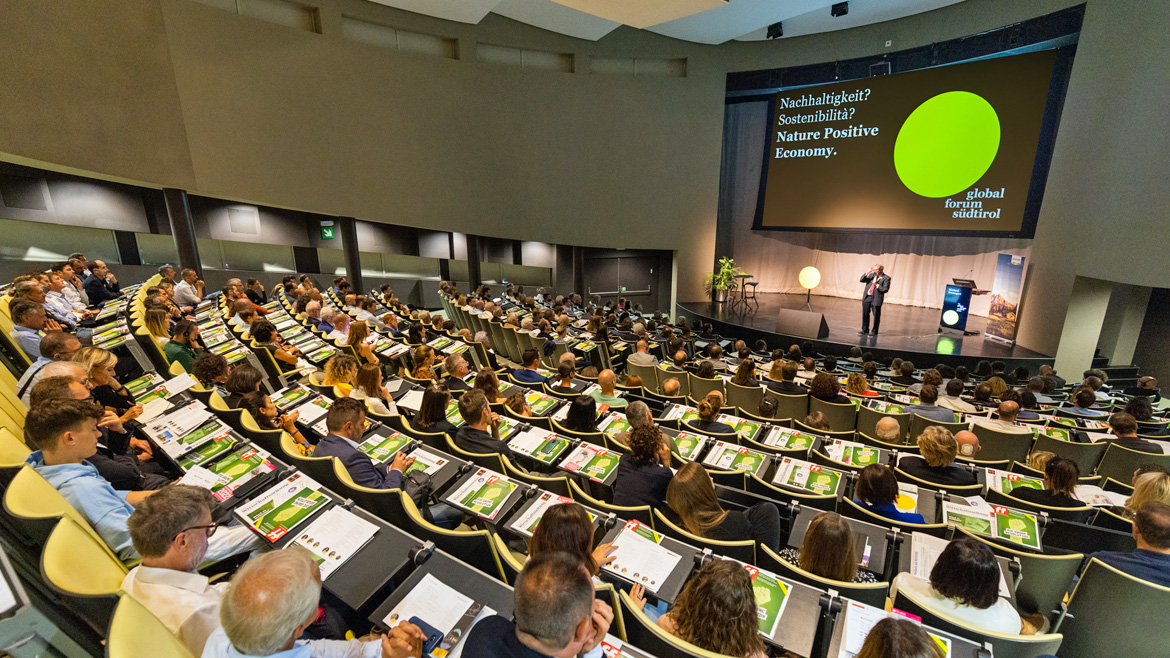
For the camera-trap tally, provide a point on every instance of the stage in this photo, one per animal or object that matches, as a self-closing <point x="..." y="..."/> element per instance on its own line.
<point x="906" y="331"/>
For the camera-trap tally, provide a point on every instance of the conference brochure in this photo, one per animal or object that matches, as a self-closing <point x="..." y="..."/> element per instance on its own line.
<point x="143" y="383"/>
<point x="321" y="354"/>
<point x="689" y="445"/>
<point x="237" y="469"/>
<point x="280" y="509"/>
<point x="732" y="457"/>
<point x="592" y="461"/>
<point x="681" y="412"/>
<point x="393" y="349"/>
<point x="334" y="537"/>
<point x="789" y="439"/>
<point x="612" y="647"/>
<point x="441" y="343"/>
<point x="539" y="444"/>
<point x="443" y="608"/>
<point x="746" y="429"/>
<point x="289" y="396"/>
<point x="526" y="523"/>
<point x="887" y="407"/>
<point x="216" y="446"/>
<point x="311" y="411"/>
<point x="452" y="413"/>
<point x="539" y="403"/>
<point x="381" y="448"/>
<point x="613" y="424"/>
<point x="852" y="453"/>
<point x="639" y="557"/>
<point x="1054" y="432"/>
<point x="1082" y="423"/>
<point x="483" y="493"/>
<point x="771" y="598"/>
<point x="1005" y="482"/>
<point x="425" y="461"/>
<point x="1090" y="494"/>
<point x="860" y="620"/>
<point x="411" y="401"/>
<point x="1001" y="522"/>
<point x="924" y="552"/>
<point x="907" y="500"/>
<point x="806" y="476"/>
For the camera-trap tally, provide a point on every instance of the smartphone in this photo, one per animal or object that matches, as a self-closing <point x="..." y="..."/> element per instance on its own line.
<point x="433" y="635"/>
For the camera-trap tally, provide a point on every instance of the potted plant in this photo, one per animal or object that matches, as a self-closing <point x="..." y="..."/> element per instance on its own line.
<point x="716" y="283"/>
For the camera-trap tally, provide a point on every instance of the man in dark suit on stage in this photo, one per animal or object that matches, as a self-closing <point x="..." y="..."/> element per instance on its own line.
<point x="877" y="284"/>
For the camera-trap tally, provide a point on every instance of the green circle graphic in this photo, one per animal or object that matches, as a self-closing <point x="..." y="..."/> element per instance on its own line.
<point x="950" y="318"/>
<point x="946" y="144"/>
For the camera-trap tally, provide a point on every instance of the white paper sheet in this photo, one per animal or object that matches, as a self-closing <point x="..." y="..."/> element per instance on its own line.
<point x="412" y="400"/>
<point x="197" y="476"/>
<point x="924" y="552"/>
<point x="335" y="537"/>
<point x="641" y="560"/>
<point x="1094" y="495"/>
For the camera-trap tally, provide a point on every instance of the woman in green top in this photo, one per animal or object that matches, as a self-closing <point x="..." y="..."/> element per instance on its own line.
<point x="184" y="344"/>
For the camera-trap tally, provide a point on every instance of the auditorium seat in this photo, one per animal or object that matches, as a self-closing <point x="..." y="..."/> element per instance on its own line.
<point x="846" y="435"/>
<point x="684" y="381"/>
<point x="135" y="632"/>
<point x="841" y="417"/>
<point x="1074" y="514"/>
<point x="1086" y="455"/>
<point x="699" y="387"/>
<point x="900" y="447"/>
<point x="868" y="593"/>
<point x="1002" y="645"/>
<point x="965" y="490"/>
<point x="80" y="569"/>
<point x="558" y="485"/>
<point x="1119" y="462"/>
<point x="852" y="510"/>
<point x="640" y="513"/>
<point x="386" y="504"/>
<point x="648" y="374"/>
<point x="791" y="406"/>
<point x="995" y="445"/>
<point x="1111" y="613"/>
<point x="512" y="563"/>
<point x="867" y="419"/>
<point x="744" y="397"/>
<point x="34" y="507"/>
<point x="489" y="460"/>
<point x="920" y="423"/>
<point x="475" y="547"/>
<point x="742" y="551"/>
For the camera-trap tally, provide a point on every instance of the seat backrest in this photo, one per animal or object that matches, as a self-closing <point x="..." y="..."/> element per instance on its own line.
<point x="489" y="460"/>
<point x="386" y="504"/>
<point x="852" y="510"/>
<point x="684" y="382"/>
<point x="1111" y="613"/>
<point x="996" y="445"/>
<point x="1046" y="578"/>
<point x="134" y="633"/>
<point x="474" y="547"/>
<point x="13" y="451"/>
<point x="1086" y="455"/>
<point x="642" y="513"/>
<point x="744" y="397"/>
<point x="960" y="490"/>
<point x="1073" y="514"/>
<point x="1002" y="645"/>
<point x="867" y="419"/>
<point x="841" y="417"/>
<point x="511" y="563"/>
<point x="791" y="406"/>
<point x="699" y="387"/>
<point x="558" y="485"/>
<point x="869" y="593"/>
<point x="919" y="423"/>
<point x="647" y="373"/>
<point x="782" y="496"/>
<point x="1120" y="462"/>
<point x="80" y="569"/>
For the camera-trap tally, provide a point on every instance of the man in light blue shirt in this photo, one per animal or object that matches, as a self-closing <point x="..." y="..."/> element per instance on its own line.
<point x="30" y="323"/>
<point x="927" y="408"/>
<point x="1083" y="398"/>
<point x="270" y="602"/>
<point x="66" y="433"/>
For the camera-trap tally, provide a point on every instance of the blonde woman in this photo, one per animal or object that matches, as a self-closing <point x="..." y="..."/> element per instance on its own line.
<point x="858" y="385"/>
<point x="158" y="323"/>
<point x="358" y="333"/>
<point x="998" y="387"/>
<point x="938" y="448"/>
<point x="100" y="366"/>
<point x="1153" y="486"/>
<point x="340" y="371"/>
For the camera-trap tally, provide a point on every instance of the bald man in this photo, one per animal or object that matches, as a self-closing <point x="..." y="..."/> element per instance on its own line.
<point x="671" y="387"/>
<point x="607" y="381"/>
<point x="643" y="357"/>
<point x="888" y="430"/>
<point x="968" y="444"/>
<point x="1006" y="424"/>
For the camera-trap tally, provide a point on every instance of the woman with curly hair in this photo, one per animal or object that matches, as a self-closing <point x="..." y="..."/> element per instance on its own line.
<point x="424" y="359"/>
<point x="340" y="371"/>
<point x="858" y="385"/>
<point x="716" y="611"/>
<point x="826" y="387"/>
<point x="643" y="474"/>
<point x="998" y="387"/>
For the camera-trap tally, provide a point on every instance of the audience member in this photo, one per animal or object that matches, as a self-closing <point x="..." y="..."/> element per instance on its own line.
<point x="927" y="408"/>
<point x="340" y="372"/>
<point x="826" y="387"/>
<point x="828" y="551"/>
<point x="895" y="637"/>
<point x="643" y="474"/>
<point x="432" y="412"/>
<point x="529" y="374"/>
<point x="691" y="496"/>
<point x="1124" y="427"/>
<point x="888" y="430"/>
<point x="709" y="409"/>
<point x="605" y="394"/>
<point x="481" y="434"/>
<point x="367" y="387"/>
<point x="184" y="344"/>
<point x="782" y="378"/>
<point x="938" y="448"/>
<point x="262" y="410"/>
<point x="877" y="492"/>
<point x="56" y="346"/>
<point x="1151" y="560"/>
<point x="1060" y="483"/>
<point x="568" y="528"/>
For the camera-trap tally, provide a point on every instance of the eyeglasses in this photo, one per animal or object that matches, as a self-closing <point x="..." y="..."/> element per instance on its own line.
<point x="209" y="529"/>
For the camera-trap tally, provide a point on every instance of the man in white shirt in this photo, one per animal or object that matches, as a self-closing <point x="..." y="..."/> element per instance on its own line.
<point x="1008" y="411"/>
<point x="189" y="291"/>
<point x="952" y="400"/>
<point x="73" y="290"/>
<point x="270" y="602"/>
<point x="170" y="530"/>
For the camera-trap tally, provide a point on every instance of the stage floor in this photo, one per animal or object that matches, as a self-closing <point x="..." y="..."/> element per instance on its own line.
<point x="906" y="329"/>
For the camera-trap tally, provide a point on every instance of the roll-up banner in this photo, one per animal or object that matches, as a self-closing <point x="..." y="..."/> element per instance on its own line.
<point x="1003" y="314"/>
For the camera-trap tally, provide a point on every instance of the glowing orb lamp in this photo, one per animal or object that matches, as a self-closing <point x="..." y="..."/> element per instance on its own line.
<point x="809" y="277"/>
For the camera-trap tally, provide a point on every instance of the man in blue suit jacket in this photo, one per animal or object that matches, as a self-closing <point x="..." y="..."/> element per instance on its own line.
<point x="528" y="374"/>
<point x="346" y="423"/>
<point x="101" y="286"/>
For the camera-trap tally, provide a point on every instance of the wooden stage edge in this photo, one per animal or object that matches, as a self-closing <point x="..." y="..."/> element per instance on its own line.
<point x="906" y="331"/>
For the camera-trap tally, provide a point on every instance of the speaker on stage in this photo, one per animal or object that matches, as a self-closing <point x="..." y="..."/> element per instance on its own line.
<point x="805" y="324"/>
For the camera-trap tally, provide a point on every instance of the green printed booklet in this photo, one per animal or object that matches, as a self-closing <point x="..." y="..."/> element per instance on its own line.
<point x="238" y="468"/>
<point x="290" y="396"/>
<point x="745" y="428"/>
<point x="640" y="558"/>
<point x="383" y="448"/>
<point x="613" y="424"/>
<point x="508" y="426"/>
<point x="854" y="454"/>
<point x="144" y="383"/>
<point x="887" y="407"/>
<point x="483" y="493"/>
<point x="689" y="444"/>
<point x="806" y="476"/>
<point x="322" y="354"/>
<point x="178" y="445"/>
<point x="681" y="412"/>
<point x="788" y="439"/>
<point x="539" y="402"/>
<point x="1005" y="482"/>
<point x="280" y="509"/>
<point x="1054" y="432"/>
<point x="440" y="343"/>
<point x="996" y="521"/>
<point x="594" y="462"/>
<point x="425" y="461"/>
<point x="452" y="413"/>
<point x="731" y="457"/>
<point x="526" y="523"/>
<point x="208" y="451"/>
<point x="771" y="598"/>
<point x="539" y="444"/>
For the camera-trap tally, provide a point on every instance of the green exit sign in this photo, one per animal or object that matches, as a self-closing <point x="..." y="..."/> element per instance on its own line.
<point x="326" y="232"/>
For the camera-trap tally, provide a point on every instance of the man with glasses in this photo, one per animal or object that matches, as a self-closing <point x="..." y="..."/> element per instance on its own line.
<point x="171" y="531"/>
<point x="101" y="285"/>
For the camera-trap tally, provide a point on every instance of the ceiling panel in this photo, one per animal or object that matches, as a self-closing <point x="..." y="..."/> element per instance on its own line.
<point x="642" y="13"/>
<point x="861" y="12"/>
<point x="736" y="18"/>
<point x="555" y="17"/>
<point x="463" y="11"/>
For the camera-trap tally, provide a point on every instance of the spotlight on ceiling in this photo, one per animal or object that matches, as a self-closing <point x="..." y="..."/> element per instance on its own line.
<point x="839" y="9"/>
<point x="776" y="30"/>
